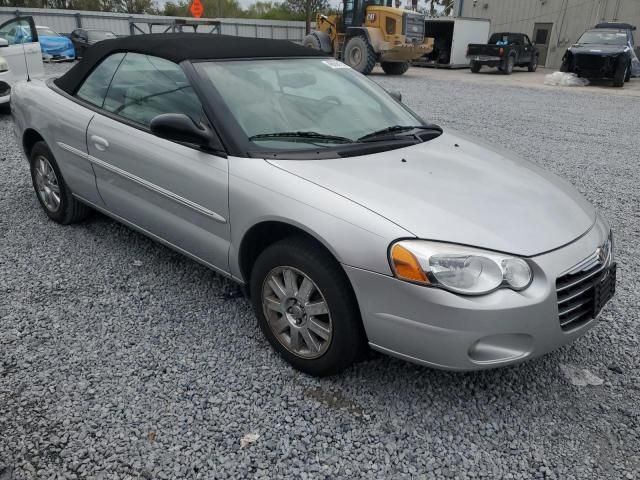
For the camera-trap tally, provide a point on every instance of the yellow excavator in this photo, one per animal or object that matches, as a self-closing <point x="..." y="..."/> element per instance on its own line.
<point x="369" y="32"/>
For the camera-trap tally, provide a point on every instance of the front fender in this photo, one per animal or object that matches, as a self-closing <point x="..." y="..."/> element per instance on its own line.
<point x="260" y="191"/>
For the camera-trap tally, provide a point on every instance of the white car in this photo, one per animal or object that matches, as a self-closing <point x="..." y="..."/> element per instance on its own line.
<point x="20" y="55"/>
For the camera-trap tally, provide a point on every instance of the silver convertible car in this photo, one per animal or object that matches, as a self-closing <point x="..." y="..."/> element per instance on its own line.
<point x="350" y="221"/>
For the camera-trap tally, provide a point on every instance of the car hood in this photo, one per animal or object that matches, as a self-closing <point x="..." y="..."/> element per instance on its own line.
<point x="593" y="49"/>
<point x="458" y="190"/>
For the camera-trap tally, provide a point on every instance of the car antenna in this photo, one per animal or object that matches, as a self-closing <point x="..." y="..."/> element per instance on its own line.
<point x="26" y="63"/>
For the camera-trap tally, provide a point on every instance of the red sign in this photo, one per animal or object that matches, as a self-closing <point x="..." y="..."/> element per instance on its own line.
<point x="196" y="8"/>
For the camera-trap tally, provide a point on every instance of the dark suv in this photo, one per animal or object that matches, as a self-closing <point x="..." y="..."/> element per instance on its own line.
<point x="602" y="52"/>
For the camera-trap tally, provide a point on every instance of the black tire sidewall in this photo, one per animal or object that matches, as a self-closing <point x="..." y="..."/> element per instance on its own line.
<point x="368" y="57"/>
<point x="395" y="68"/>
<point x="508" y="65"/>
<point x="41" y="149"/>
<point x="620" y="74"/>
<point x="347" y="341"/>
<point x="312" y="41"/>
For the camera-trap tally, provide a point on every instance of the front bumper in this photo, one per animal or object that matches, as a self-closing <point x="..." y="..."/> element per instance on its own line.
<point x="593" y="66"/>
<point x="437" y="328"/>
<point x="405" y="51"/>
<point x="487" y="60"/>
<point x="62" y="56"/>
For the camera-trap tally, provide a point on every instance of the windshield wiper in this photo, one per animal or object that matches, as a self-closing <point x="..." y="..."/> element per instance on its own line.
<point x="305" y="135"/>
<point x="384" y="133"/>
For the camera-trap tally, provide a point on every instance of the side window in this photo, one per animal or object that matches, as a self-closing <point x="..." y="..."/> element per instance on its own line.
<point x="527" y="41"/>
<point x="145" y="87"/>
<point x="516" y="40"/>
<point x="95" y="86"/>
<point x="16" y="32"/>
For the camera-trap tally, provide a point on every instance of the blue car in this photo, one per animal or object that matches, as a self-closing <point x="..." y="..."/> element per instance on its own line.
<point x="55" y="47"/>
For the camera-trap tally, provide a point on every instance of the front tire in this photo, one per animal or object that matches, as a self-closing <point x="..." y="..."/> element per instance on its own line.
<point x="533" y="65"/>
<point x="306" y="308"/>
<point x="395" y="68"/>
<point x="311" y="41"/>
<point x="628" y="77"/>
<point x="359" y="55"/>
<point x="622" y="70"/>
<point x="52" y="191"/>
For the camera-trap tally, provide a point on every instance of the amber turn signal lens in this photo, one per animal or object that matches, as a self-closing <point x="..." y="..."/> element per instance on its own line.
<point x="406" y="265"/>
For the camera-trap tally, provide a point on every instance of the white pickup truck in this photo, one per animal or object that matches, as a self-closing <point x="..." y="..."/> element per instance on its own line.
<point x="20" y="55"/>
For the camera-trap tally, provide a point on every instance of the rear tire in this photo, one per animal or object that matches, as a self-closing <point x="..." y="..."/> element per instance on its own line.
<point x="622" y="70"/>
<point x="507" y="67"/>
<point x="311" y="41"/>
<point x="334" y="337"/>
<point x="564" y="67"/>
<point x="475" y="66"/>
<point x="533" y="65"/>
<point x="359" y="55"/>
<point x="395" y="68"/>
<point x="5" y="109"/>
<point x="52" y="191"/>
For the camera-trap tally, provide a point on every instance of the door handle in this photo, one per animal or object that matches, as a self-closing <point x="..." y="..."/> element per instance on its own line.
<point x="100" y="143"/>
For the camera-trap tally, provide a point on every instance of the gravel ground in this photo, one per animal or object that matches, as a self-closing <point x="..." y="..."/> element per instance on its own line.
<point x="122" y="359"/>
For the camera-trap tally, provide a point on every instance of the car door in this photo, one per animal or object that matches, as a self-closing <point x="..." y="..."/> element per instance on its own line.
<point x="23" y="50"/>
<point x="517" y="41"/>
<point x="175" y="192"/>
<point x="529" y="49"/>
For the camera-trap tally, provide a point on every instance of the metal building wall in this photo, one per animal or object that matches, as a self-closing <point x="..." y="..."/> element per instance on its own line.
<point x="569" y="18"/>
<point x="65" y="21"/>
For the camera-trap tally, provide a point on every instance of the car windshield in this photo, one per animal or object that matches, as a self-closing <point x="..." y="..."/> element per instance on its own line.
<point x="304" y="103"/>
<point x="603" y="38"/>
<point x="46" y="32"/>
<point x="100" y="35"/>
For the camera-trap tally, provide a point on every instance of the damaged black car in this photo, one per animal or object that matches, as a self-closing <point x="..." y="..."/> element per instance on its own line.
<point x="601" y="53"/>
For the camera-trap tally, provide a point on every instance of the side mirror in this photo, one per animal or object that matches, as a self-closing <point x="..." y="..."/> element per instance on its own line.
<point x="178" y="127"/>
<point x="395" y="94"/>
<point x="3" y="43"/>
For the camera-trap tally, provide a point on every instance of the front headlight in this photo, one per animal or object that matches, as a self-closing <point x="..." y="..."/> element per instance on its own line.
<point x="4" y="66"/>
<point x="459" y="269"/>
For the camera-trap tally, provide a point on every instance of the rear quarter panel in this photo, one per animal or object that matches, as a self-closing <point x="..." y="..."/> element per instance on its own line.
<point x="62" y="123"/>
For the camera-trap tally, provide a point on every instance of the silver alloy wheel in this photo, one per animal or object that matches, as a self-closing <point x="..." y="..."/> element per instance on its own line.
<point x="47" y="184"/>
<point x="297" y="312"/>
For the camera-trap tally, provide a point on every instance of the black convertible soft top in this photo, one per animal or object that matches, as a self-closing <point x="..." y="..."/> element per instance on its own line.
<point x="182" y="46"/>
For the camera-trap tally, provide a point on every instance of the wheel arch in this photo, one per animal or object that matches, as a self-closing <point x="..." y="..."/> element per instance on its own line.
<point x="267" y="232"/>
<point x="29" y="138"/>
<point x="355" y="31"/>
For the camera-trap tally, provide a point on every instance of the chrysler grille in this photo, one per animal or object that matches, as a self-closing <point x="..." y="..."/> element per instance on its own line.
<point x="576" y="288"/>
